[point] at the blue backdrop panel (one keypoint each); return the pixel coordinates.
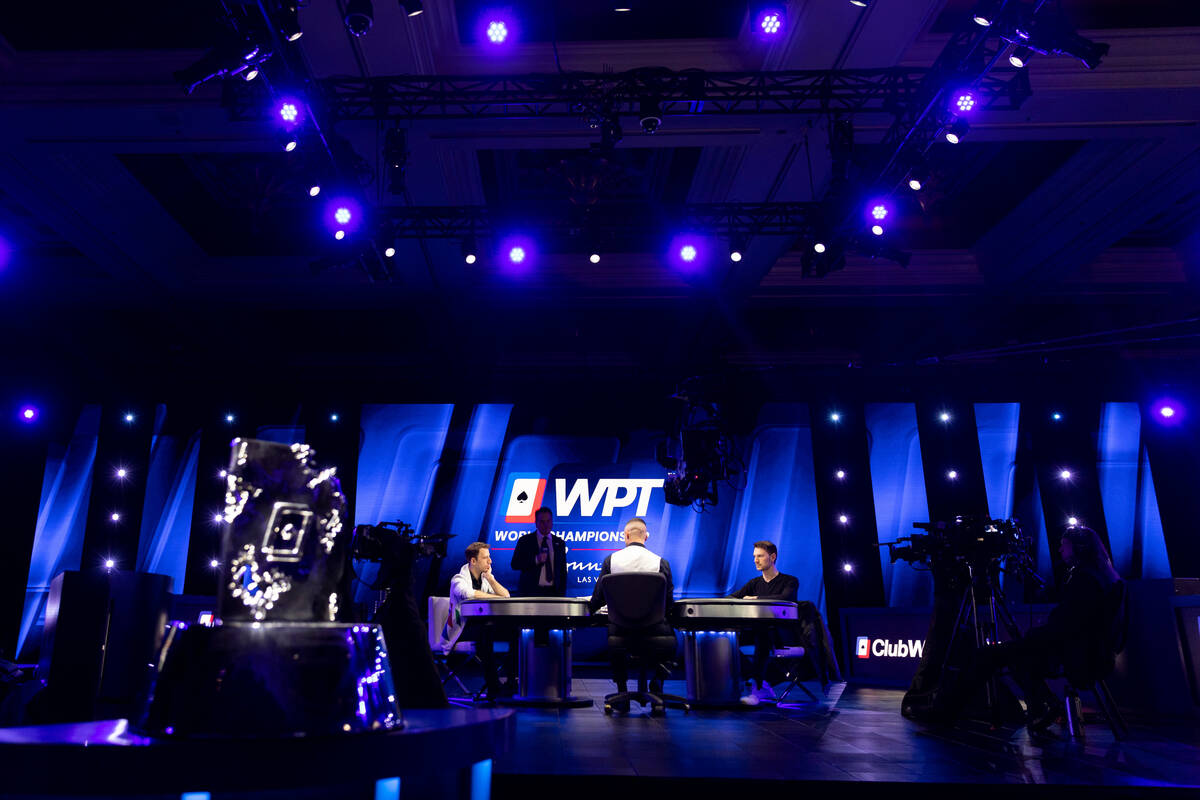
(779, 503)
(898, 479)
(396, 467)
(1153, 545)
(997, 426)
(167, 510)
(1118, 450)
(62, 516)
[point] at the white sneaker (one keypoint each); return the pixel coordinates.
(750, 699)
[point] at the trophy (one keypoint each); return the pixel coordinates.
(275, 662)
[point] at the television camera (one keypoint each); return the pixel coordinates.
(966, 555)
(699, 454)
(386, 540)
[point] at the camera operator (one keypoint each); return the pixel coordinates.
(1079, 640)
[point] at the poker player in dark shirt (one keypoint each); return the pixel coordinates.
(770, 584)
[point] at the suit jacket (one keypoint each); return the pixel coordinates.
(524, 561)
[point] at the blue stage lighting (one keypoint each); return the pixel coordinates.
(497, 31)
(289, 112)
(1056, 416)
(229, 418)
(1064, 474)
(688, 253)
(516, 254)
(877, 230)
(847, 567)
(115, 516)
(879, 211)
(314, 190)
(770, 22)
(952, 474)
(342, 215)
(964, 101)
(122, 473)
(1167, 411)
(28, 413)
(109, 563)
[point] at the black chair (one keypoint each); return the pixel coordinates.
(637, 629)
(1090, 675)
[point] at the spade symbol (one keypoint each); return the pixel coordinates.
(522, 497)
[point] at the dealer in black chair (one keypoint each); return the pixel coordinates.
(636, 586)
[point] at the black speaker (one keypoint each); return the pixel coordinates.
(103, 632)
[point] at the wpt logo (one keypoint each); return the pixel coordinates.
(885, 648)
(608, 495)
(524, 493)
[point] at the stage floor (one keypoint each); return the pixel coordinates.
(857, 734)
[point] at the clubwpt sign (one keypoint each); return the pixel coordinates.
(885, 644)
(591, 505)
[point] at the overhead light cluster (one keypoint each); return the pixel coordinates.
(1036, 28)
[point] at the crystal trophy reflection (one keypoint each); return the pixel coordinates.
(276, 661)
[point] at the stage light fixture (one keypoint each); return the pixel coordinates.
(1064, 474)
(214, 563)
(952, 474)
(218, 518)
(1051, 33)
(389, 252)
(497, 31)
(412, 8)
(986, 12)
(234, 58)
(1056, 416)
(121, 473)
(314, 190)
(339, 235)
(469, 248)
(289, 141)
(1072, 521)
(334, 417)
(859, 3)
(342, 215)
(835, 417)
(956, 131)
(944, 416)
(289, 21)
(877, 230)
(1020, 56)
(688, 253)
(516, 254)
(879, 210)
(594, 258)
(1166, 412)
(770, 21)
(229, 418)
(109, 563)
(819, 247)
(129, 417)
(735, 256)
(963, 101)
(360, 16)
(840, 474)
(288, 111)
(115, 516)
(843, 519)
(918, 177)
(847, 567)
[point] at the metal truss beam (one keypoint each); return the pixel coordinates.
(717, 219)
(604, 95)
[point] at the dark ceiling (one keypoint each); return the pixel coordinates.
(1097, 14)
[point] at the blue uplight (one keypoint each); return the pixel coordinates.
(28, 414)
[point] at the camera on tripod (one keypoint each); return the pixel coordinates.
(970, 540)
(386, 539)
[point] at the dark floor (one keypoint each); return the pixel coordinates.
(856, 734)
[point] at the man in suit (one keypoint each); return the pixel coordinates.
(541, 558)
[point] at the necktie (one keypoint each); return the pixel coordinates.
(547, 574)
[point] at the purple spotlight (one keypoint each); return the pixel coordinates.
(497, 28)
(688, 253)
(343, 214)
(770, 22)
(5, 252)
(1167, 411)
(964, 102)
(879, 211)
(517, 254)
(289, 111)
(28, 413)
